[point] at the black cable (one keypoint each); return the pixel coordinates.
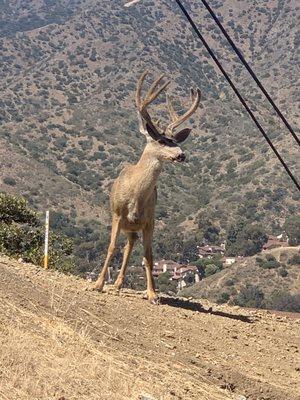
(242, 100)
(250, 70)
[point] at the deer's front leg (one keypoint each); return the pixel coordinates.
(148, 260)
(115, 230)
(132, 236)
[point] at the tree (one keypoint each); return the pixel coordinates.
(245, 239)
(292, 229)
(209, 266)
(208, 229)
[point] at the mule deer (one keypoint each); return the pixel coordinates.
(133, 196)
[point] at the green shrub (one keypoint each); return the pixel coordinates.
(292, 229)
(22, 235)
(259, 261)
(15, 209)
(294, 260)
(282, 272)
(223, 298)
(250, 296)
(270, 264)
(8, 180)
(229, 282)
(283, 301)
(270, 257)
(165, 284)
(211, 269)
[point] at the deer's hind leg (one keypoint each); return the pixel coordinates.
(115, 230)
(131, 238)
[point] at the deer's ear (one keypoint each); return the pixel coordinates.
(182, 135)
(153, 132)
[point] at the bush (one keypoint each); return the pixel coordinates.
(294, 260)
(270, 257)
(229, 282)
(292, 229)
(270, 264)
(250, 296)
(15, 209)
(165, 284)
(223, 298)
(8, 180)
(282, 272)
(22, 235)
(283, 301)
(211, 269)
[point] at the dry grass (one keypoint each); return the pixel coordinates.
(44, 358)
(60, 341)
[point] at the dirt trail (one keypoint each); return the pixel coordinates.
(59, 340)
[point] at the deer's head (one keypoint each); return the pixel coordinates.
(164, 143)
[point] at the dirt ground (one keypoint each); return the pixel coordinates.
(60, 340)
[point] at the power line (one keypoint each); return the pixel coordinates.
(250, 70)
(234, 88)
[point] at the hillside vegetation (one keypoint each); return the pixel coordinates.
(269, 280)
(61, 341)
(68, 73)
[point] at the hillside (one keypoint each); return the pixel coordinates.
(59, 340)
(227, 284)
(68, 73)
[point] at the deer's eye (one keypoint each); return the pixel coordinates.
(161, 142)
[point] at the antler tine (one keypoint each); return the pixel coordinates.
(187, 114)
(151, 95)
(193, 94)
(142, 104)
(171, 110)
(155, 85)
(138, 100)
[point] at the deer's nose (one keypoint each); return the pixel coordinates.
(181, 157)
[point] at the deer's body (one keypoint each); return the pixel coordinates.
(133, 196)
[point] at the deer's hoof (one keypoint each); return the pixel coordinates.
(153, 299)
(118, 285)
(98, 287)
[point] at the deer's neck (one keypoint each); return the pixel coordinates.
(148, 168)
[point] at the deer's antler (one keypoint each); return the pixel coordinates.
(147, 126)
(178, 120)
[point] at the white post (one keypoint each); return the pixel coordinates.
(46, 240)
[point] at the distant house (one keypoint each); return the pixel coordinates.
(274, 242)
(162, 266)
(227, 261)
(178, 271)
(208, 251)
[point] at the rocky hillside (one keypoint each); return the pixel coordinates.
(59, 340)
(68, 72)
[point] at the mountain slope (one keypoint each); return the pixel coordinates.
(68, 80)
(60, 341)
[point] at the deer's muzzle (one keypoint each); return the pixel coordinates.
(180, 158)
